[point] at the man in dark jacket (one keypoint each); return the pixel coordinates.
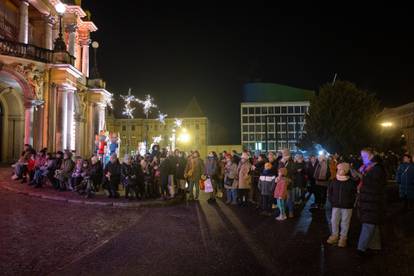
(310, 172)
(112, 176)
(370, 202)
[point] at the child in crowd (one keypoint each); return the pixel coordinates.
(341, 195)
(281, 192)
(266, 187)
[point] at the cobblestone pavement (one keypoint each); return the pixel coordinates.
(40, 237)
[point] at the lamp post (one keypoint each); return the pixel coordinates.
(95, 72)
(60, 45)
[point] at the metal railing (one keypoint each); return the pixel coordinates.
(28, 51)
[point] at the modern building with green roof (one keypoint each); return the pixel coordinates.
(272, 116)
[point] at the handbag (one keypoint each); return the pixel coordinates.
(208, 186)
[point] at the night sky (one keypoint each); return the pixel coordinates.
(177, 51)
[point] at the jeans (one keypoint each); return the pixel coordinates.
(370, 237)
(164, 184)
(290, 202)
(343, 217)
(267, 201)
(231, 196)
(282, 208)
(191, 185)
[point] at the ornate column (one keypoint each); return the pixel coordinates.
(28, 124)
(61, 122)
(24, 21)
(85, 57)
(49, 22)
(70, 135)
(71, 29)
(101, 115)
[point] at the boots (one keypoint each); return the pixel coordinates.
(342, 242)
(333, 239)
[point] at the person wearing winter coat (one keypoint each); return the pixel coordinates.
(287, 162)
(172, 160)
(266, 186)
(76, 177)
(281, 192)
(371, 201)
(129, 178)
(310, 173)
(405, 180)
(210, 171)
(322, 175)
(299, 178)
(112, 176)
(65, 172)
(230, 174)
(341, 195)
(244, 179)
(193, 173)
(96, 173)
(165, 169)
(179, 172)
(258, 167)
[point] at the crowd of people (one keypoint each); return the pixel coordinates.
(277, 183)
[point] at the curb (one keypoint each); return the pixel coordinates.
(95, 203)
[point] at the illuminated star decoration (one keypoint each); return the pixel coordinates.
(157, 139)
(127, 111)
(178, 122)
(161, 117)
(147, 104)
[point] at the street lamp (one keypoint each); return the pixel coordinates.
(95, 72)
(60, 45)
(387, 124)
(184, 137)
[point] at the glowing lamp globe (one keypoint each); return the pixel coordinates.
(60, 8)
(95, 44)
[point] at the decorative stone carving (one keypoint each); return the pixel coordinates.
(33, 76)
(80, 105)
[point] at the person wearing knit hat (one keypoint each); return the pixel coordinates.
(341, 195)
(244, 180)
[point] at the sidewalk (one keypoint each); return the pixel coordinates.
(99, 199)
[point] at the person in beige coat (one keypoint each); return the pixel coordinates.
(244, 179)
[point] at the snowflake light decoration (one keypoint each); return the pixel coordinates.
(157, 139)
(161, 117)
(178, 122)
(127, 111)
(147, 104)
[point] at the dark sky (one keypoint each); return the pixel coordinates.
(177, 51)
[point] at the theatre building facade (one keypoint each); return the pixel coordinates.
(47, 97)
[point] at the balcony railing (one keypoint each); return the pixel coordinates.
(29, 51)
